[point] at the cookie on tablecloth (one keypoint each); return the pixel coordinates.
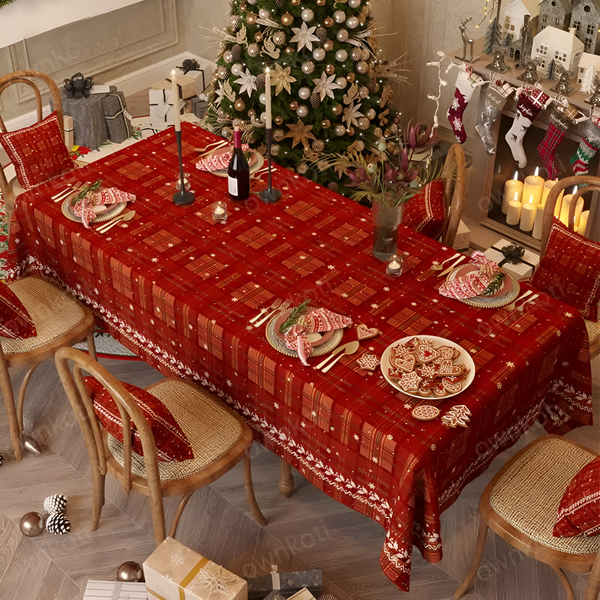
(365, 333)
(425, 412)
(369, 362)
(409, 382)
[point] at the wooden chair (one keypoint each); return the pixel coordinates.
(521, 503)
(11, 189)
(200, 415)
(454, 178)
(60, 320)
(593, 185)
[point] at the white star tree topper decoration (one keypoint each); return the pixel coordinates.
(305, 36)
(325, 86)
(247, 82)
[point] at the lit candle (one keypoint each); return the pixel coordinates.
(539, 221)
(394, 266)
(583, 220)
(219, 211)
(528, 212)
(566, 207)
(268, 98)
(514, 213)
(534, 187)
(175, 98)
(513, 189)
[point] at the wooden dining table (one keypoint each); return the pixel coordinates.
(180, 289)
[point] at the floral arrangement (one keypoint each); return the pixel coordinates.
(393, 172)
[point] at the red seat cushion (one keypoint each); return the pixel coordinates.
(15, 322)
(171, 443)
(570, 270)
(424, 212)
(37, 152)
(579, 510)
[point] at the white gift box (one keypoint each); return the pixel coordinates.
(303, 594)
(115, 590)
(161, 107)
(520, 270)
(175, 572)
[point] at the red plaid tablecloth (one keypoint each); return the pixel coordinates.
(179, 290)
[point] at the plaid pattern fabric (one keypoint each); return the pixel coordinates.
(579, 510)
(179, 290)
(570, 270)
(547, 149)
(15, 321)
(424, 212)
(37, 152)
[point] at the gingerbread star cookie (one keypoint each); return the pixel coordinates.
(369, 362)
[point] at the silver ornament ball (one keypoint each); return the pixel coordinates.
(237, 69)
(252, 1)
(361, 67)
(302, 111)
(279, 38)
(262, 98)
(342, 35)
(341, 82)
(275, 148)
(304, 93)
(130, 571)
(307, 15)
(223, 72)
(354, 3)
(351, 22)
(308, 67)
(340, 130)
(339, 16)
(253, 50)
(364, 123)
(363, 92)
(264, 13)
(319, 54)
(31, 524)
(228, 56)
(355, 54)
(365, 54)
(302, 168)
(278, 135)
(371, 114)
(341, 55)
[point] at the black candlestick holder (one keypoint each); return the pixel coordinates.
(182, 197)
(269, 196)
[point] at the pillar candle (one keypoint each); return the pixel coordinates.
(558, 204)
(534, 187)
(539, 221)
(268, 98)
(514, 212)
(547, 187)
(528, 212)
(175, 98)
(566, 207)
(513, 189)
(583, 220)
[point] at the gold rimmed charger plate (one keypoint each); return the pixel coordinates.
(494, 302)
(107, 215)
(255, 166)
(324, 348)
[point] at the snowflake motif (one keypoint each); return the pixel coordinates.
(328, 451)
(229, 383)
(96, 291)
(386, 289)
(568, 314)
(375, 460)
(372, 348)
(235, 300)
(457, 124)
(413, 303)
(131, 307)
(356, 437)
(390, 437)
(314, 413)
(565, 363)
(331, 267)
(302, 424)
(558, 333)
(275, 405)
(492, 335)
(433, 446)
(155, 260)
(248, 272)
(344, 295)
(374, 305)
(372, 486)
(435, 300)
(480, 320)
(455, 105)
(473, 351)
(436, 322)
(407, 406)
(499, 385)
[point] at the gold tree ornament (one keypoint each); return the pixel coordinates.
(287, 19)
(352, 114)
(304, 36)
(281, 79)
(325, 86)
(300, 133)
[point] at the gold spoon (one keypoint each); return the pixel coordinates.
(120, 219)
(351, 348)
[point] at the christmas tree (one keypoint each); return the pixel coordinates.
(588, 83)
(493, 37)
(329, 88)
(551, 70)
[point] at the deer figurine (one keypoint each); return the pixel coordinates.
(467, 41)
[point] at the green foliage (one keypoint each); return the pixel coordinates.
(88, 189)
(494, 285)
(296, 313)
(5, 2)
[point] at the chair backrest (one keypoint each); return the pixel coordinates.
(90, 426)
(454, 178)
(593, 185)
(28, 78)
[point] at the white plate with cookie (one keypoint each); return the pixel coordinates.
(427, 366)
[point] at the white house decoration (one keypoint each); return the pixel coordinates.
(589, 68)
(558, 45)
(512, 16)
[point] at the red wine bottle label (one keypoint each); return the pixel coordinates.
(232, 186)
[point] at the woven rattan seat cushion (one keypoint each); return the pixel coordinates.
(211, 429)
(528, 495)
(53, 311)
(593, 330)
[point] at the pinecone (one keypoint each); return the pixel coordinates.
(318, 145)
(328, 597)
(55, 503)
(315, 100)
(280, 3)
(58, 524)
(236, 51)
(278, 134)
(321, 33)
(260, 81)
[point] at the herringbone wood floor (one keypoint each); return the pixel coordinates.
(307, 530)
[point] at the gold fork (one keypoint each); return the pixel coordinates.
(281, 308)
(275, 304)
(217, 144)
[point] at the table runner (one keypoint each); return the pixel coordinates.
(179, 289)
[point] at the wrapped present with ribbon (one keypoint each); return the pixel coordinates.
(518, 261)
(175, 572)
(115, 590)
(284, 585)
(118, 119)
(185, 83)
(161, 107)
(474, 283)
(318, 320)
(218, 160)
(91, 201)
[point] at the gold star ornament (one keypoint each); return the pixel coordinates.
(281, 79)
(300, 133)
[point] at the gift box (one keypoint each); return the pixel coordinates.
(303, 594)
(115, 590)
(175, 572)
(187, 86)
(198, 107)
(161, 108)
(117, 118)
(521, 270)
(287, 584)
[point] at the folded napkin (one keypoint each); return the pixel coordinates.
(318, 321)
(84, 207)
(218, 161)
(473, 284)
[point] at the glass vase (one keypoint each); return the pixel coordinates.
(385, 235)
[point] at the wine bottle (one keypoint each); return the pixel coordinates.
(238, 173)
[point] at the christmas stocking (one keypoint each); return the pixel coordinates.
(557, 127)
(590, 142)
(495, 100)
(466, 82)
(528, 108)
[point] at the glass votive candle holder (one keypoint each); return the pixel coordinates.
(219, 211)
(394, 266)
(186, 182)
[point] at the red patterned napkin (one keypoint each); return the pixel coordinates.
(318, 321)
(218, 161)
(474, 283)
(84, 207)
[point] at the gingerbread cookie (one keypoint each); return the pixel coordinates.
(365, 333)
(368, 362)
(425, 412)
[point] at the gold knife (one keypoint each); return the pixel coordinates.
(336, 351)
(452, 266)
